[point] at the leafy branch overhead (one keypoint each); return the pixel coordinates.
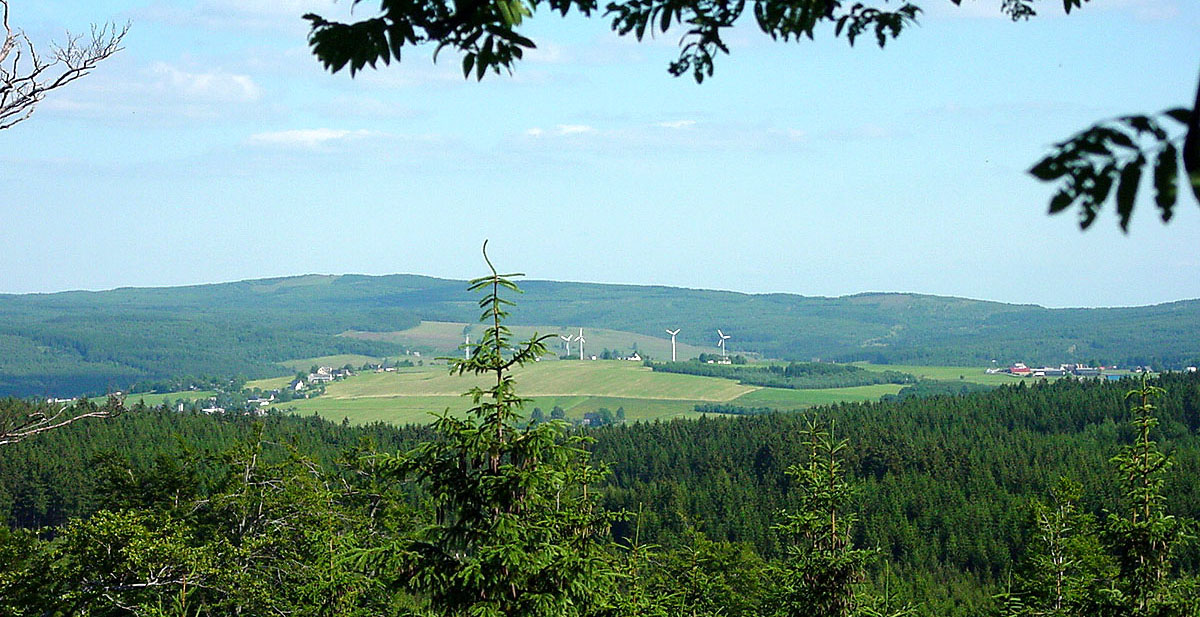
(1117, 154)
(485, 32)
(1088, 167)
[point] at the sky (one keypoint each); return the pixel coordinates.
(216, 148)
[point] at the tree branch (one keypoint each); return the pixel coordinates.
(28, 78)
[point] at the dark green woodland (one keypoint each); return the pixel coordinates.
(945, 488)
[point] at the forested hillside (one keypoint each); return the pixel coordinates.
(69, 343)
(944, 485)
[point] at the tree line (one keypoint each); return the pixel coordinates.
(794, 375)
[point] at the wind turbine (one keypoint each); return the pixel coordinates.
(721, 343)
(673, 333)
(581, 342)
(567, 341)
(467, 347)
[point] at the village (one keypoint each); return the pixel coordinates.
(1112, 372)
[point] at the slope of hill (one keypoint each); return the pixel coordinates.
(73, 342)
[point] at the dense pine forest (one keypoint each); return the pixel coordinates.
(944, 488)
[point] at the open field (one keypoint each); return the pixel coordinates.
(945, 373)
(270, 383)
(154, 400)
(600, 378)
(783, 399)
(410, 395)
(578, 387)
(444, 337)
(420, 409)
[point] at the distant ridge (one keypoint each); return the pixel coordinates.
(92, 341)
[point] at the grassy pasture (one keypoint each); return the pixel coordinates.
(945, 373)
(613, 378)
(784, 399)
(410, 395)
(271, 383)
(420, 409)
(154, 400)
(578, 387)
(444, 337)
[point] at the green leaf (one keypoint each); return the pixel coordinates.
(1104, 183)
(1047, 169)
(1131, 176)
(1179, 114)
(1061, 201)
(1121, 139)
(1166, 173)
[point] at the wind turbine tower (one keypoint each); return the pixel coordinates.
(581, 342)
(467, 347)
(567, 342)
(673, 333)
(721, 343)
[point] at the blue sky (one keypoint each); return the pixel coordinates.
(214, 148)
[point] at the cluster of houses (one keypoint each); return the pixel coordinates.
(254, 406)
(1019, 369)
(324, 374)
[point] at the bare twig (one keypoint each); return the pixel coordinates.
(40, 422)
(27, 77)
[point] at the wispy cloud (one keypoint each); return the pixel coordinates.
(574, 129)
(163, 92)
(677, 124)
(561, 130)
(305, 138)
(212, 86)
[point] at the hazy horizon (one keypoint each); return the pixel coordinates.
(529, 278)
(215, 148)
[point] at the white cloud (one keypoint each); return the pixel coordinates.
(212, 86)
(534, 132)
(574, 129)
(305, 138)
(677, 124)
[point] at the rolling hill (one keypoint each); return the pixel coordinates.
(75, 342)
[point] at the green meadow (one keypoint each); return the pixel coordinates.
(154, 400)
(412, 395)
(945, 373)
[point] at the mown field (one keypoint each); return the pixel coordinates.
(154, 400)
(411, 395)
(945, 373)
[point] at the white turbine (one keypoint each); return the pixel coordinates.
(721, 343)
(581, 342)
(567, 342)
(467, 347)
(673, 333)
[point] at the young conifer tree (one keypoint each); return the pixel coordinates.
(1126, 567)
(516, 532)
(823, 570)
(1143, 537)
